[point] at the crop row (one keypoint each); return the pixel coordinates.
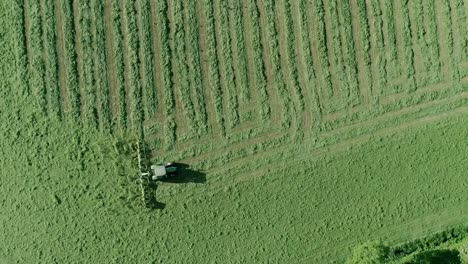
(239, 51)
(193, 53)
(50, 48)
(227, 67)
(391, 44)
(426, 39)
(320, 38)
(432, 43)
(259, 66)
(101, 69)
(349, 53)
(292, 56)
(276, 64)
(309, 69)
(147, 56)
(364, 37)
(86, 42)
(461, 9)
(166, 72)
(70, 59)
(133, 76)
(119, 65)
(447, 37)
(379, 59)
(178, 36)
(336, 53)
(37, 63)
(408, 63)
(22, 77)
(213, 64)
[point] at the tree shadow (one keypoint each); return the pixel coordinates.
(186, 175)
(438, 256)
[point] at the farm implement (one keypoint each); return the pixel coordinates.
(148, 174)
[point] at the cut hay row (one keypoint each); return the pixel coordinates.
(378, 46)
(135, 96)
(446, 36)
(86, 44)
(349, 54)
(310, 74)
(194, 63)
(278, 78)
(340, 86)
(37, 65)
(70, 60)
(393, 67)
(407, 52)
(213, 65)
(320, 38)
(239, 51)
(21, 51)
(461, 9)
(101, 69)
(50, 48)
(118, 57)
(259, 66)
(432, 51)
(292, 56)
(226, 57)
(165, 64)
(146, 55)
(180, 61)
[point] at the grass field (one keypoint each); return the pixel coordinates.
(309, 126)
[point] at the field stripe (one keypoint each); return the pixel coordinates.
(275, 60)
(101, 69)
(51, 67)
(166, 66)
(404, 29)
(68, 29)
(259, 65)
(194, 63)
(181, 71)
(61, 57)
(146, 58)
(307, 65)
(86, 63)
(213, 66)
(224, 51)
(37, 65)
(132, 74)
(445, 37)
(118, 55)
(239, 53)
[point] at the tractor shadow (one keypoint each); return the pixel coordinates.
(186, 175)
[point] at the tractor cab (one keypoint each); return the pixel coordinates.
(160, 172)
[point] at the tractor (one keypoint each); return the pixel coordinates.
(161, 172)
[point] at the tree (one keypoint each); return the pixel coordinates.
(369, 253)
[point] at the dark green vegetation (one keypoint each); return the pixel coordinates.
(448, 246)
(319, 125)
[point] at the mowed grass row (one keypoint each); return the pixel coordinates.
(101, 69)
(147, 54)
(180, 60)
(258, 63)
(227, 68)
(88, 102)
(50, 48)
(194, 63)
(36, 55)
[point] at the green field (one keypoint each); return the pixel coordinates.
(309, 127)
